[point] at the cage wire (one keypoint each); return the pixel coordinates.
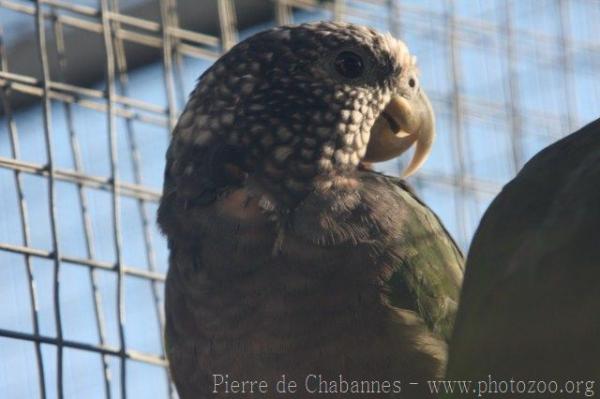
(82, 265)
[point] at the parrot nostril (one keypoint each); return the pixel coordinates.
(412, 82)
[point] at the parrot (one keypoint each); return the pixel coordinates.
(289, 256)
(530, 305)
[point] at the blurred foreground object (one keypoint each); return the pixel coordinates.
(530, 307)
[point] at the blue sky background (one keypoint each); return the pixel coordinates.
(478, 73)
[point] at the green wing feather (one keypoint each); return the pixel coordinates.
(427, 264)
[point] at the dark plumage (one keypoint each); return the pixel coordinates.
(530, 308)
(288, 256)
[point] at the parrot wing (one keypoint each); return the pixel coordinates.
(427, 265)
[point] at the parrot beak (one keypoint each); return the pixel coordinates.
(402, 124)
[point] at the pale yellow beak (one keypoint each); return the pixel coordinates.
(401, 125)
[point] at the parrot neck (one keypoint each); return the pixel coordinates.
(278, 195)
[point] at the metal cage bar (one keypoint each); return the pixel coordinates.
(48, 139)
(15, 153)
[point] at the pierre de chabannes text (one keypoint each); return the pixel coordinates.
(317, 384)
(312, 383)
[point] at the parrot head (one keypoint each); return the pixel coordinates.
(301, 107)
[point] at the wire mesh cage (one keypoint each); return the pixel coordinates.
(90, 89)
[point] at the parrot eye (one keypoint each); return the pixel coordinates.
(412, 82)
(348, 64)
